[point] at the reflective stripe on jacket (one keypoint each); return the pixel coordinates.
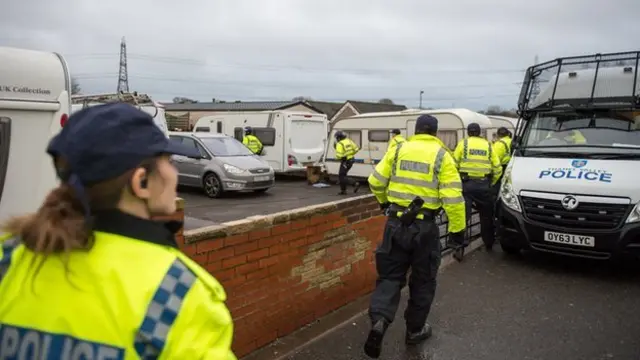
(253, 143)
(393, 143)
(475, 157)
(346, 149)
(421, 167)
(123, 299)
(502, 148)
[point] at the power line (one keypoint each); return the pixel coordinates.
(280, 98)
(97, 76)
(278, 67)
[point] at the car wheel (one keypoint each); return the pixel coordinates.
(260, 191)
(212, 186)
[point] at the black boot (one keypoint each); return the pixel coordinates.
(373, 345)
(415, 338)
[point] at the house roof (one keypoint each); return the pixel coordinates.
(371, 107)
(328, 108)
(233, 106)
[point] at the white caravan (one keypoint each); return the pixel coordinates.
(371, 132)
(142, 101)
(571, 187)
(292, 140)
(498, 122)
(34, 105)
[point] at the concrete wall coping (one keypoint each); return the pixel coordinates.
(262, 221)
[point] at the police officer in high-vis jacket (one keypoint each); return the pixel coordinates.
(346, 150)
(479, 170)
(412, 184)
(396, 139)
(251, 141)
(90, 275)
(502, 149)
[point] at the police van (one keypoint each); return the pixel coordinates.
(571, 186)
(371, 132)
(34, 106)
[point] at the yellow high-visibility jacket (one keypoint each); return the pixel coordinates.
(128, 297)
(476, 158)
(253, 143)
(346, 149)
(394, 141)
(502, 149)
(421, 167)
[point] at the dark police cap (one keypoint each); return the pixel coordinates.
(395, 131)
(426, 122)
(102, 142)
(473, 127)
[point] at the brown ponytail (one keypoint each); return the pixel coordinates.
(58, 226)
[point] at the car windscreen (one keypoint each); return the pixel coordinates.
(225, 146)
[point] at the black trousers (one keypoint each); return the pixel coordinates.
(343, 179)
(479, 194)
(416, 247)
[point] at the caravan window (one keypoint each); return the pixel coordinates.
(238, 133)
(5, 143)
(203, 129)
(355, 135)
(219, 127)
(267, 136)
(379, 136)
(449, 138)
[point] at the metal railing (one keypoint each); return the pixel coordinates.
(473, 224)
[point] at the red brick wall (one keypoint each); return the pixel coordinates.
(285, 270)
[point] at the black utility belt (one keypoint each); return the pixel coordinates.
(395, 211)
(466, 177)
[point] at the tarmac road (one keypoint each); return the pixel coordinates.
(492, 307)
(288, 193)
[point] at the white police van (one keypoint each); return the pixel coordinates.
(573, 184)
(34, 105)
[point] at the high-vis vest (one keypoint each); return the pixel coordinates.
(502, 148)
(575, 137)
(421, 167)
(346, 149)
(123, 299)
(253, 143)
(393, 143)
(476, 159)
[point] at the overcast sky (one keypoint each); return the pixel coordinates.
(463, 53)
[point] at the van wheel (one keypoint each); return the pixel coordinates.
(212, 186)
(510, 249)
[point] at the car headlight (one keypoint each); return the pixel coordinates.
(635, 214)
(232, 169)
(507, 195)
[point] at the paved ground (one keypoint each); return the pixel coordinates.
(496, 308)
(288, 193)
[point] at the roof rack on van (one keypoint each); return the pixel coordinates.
(131, 98)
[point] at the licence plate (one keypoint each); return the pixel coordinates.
(261, 178)
(569, 239)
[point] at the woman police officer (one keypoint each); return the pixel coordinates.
(90, 275)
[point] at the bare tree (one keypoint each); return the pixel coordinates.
(183, 100)
(494, 110)
(301, 98)
(386, 101)
(75, 87)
